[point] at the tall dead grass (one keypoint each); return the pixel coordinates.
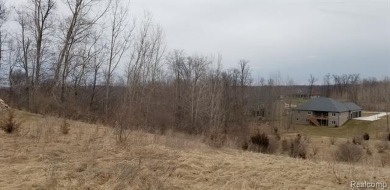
(90, 157)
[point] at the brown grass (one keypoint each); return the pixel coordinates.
(90, 157)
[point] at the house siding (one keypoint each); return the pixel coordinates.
(333, 119)
(325, 112)
(343, 117)
(300, 117)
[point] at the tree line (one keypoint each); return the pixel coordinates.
(92, 60)
(96, 62)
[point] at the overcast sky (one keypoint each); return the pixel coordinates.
(295, 38)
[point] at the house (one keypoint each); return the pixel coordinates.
(325, 112)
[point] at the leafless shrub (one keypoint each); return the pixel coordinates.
(276, 133)
(336, 174)
(348, 152)
(341, 174)
(382, 146)
(277, 136)
(48, 134)
(358, 140)
(121, 132)
(37, 132)
(82, 167)
(368, 151)
(275, 130)
(332, 140)
(65, 127)
(285, 145)
(261, 142)
(366, 136)
(385, 159)
(52, 177)
(245, 146)
(216, 138)
(298, 147)
(315, 149)
(9, 124)
(273, 145)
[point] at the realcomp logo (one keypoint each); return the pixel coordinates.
(368, 185)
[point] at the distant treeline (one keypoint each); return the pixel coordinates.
(96, 63)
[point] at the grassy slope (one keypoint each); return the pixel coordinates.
(40, 157)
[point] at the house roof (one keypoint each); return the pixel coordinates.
(328, 105)
(352, 106)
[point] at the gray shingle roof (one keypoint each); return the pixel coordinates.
(352, 106)
(328, 105)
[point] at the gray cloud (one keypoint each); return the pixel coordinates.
(294, 37)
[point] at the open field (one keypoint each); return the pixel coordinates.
(89, 157)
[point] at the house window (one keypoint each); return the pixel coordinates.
(299, 111)
(297, 119)
(309, 112)
(333, 122)
(333, 114)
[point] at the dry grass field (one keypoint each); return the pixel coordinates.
(40, 156)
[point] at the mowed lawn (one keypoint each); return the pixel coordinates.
(351, 128)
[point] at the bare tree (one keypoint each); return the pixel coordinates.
(137, 67)
(175, 60)
(118, 44)
(245, 75)
(271, 96)
(25, 43)
(143, 70)
(3, 19)
(43, 9)
(15, 75)
(85, 59)
(245, 81)
(216, 93)
(196, 67)
(97, 62)
(289, 123)
(327, 84)
(353, 86)
(77, 27)
(312, 80)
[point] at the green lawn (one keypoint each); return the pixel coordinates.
(365, 114)
(299, 101)
(350, 129)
